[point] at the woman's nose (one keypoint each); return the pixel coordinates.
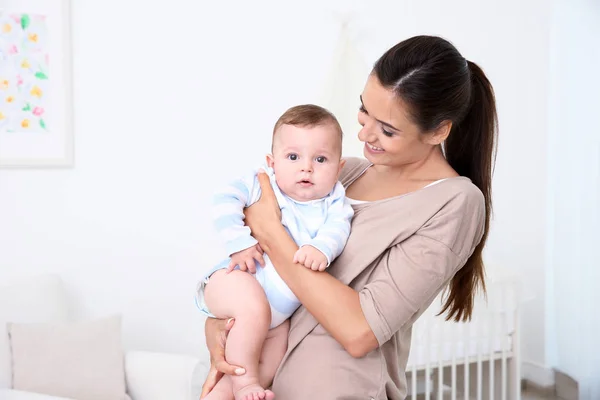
(366, 134)
(367, 131)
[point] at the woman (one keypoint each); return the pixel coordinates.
(422, 202)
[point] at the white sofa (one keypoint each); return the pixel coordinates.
(148, 375)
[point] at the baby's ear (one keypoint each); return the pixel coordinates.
(270, 160)
(342, 163)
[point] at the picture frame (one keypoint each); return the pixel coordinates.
(36, 102)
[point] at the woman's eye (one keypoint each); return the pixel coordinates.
(293, 157)
(362, 109)
(321, 159)
(387, 133)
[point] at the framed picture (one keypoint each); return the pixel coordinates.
(36, 128)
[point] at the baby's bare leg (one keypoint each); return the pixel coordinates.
(273, 351)
(239, 295)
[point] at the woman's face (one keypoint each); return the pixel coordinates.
(390, 137)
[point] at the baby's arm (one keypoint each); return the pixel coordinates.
(331, 237)
(228, 220)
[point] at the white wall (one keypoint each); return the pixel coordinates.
(169, 101)
(573, 277)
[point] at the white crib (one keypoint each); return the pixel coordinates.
(475, 360)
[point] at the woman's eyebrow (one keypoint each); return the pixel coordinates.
(378, 120)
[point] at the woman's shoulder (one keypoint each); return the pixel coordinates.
(457, 214)
(353, 168)
(445, 210)
(456, 193)
(460, 192)
(454, 198)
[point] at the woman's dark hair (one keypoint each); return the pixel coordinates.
(437, 84)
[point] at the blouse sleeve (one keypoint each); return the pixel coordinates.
(412, 272)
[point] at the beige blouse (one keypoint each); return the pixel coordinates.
(401, 253)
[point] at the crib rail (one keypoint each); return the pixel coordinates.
(479, 359)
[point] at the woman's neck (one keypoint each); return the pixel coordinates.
(381, 182)
(430, 168)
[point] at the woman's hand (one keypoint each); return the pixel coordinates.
(216, 331)
(264, 214)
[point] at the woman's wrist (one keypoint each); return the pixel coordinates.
(268, 233)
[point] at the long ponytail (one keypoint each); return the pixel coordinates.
(438, 84)
(470, 149)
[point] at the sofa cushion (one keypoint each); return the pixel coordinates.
(7, 394)
(39, 299)
(80, 360)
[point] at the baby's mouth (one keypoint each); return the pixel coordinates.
(305, 182)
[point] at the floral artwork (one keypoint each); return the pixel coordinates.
(24, 79)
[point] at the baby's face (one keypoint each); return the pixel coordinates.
(306, 160)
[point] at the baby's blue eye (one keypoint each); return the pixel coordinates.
(321, 159)
(293, 157)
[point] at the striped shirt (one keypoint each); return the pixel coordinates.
(322, 223)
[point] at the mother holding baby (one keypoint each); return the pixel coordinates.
(422, 204)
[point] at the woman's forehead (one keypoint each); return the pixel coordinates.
(384, 105)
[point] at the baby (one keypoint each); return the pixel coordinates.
(304, 168)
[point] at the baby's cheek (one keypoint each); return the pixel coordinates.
(281, 180)
(330, 180)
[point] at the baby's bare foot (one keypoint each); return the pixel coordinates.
(254, 392)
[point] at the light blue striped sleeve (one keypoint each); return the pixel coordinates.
(227, 212)
(333, 235)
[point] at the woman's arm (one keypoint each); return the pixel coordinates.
(334, 305)
(216, 331)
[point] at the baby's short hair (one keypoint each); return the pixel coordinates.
(308, 115)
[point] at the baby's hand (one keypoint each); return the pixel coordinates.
(245, 259)
(311, 258)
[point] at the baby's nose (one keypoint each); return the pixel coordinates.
(307, 166)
